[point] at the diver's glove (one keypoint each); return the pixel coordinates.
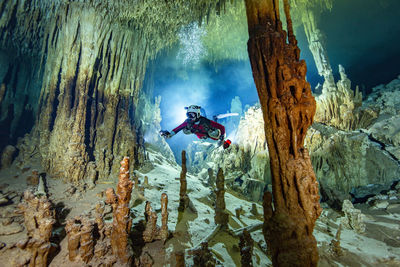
(167, 134)
(227, 143)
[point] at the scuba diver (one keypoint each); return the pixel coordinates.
(202, 127)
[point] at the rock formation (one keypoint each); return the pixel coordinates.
(121, 225)
(164, 217)
(90, 60)
(353, 218)
(339, 105)
(221, 216)
(183, 197)
(80, 232)
(346, 160)
(202, 257)
(39, 220)
(288, 110)
(152, 231)
(246, 249)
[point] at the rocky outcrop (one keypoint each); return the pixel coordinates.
(288, 110)
(345, 160)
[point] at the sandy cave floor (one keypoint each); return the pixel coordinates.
(378, 246)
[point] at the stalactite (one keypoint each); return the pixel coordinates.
(221, 216)
(288, 109)
(121, 225)
(316, 43)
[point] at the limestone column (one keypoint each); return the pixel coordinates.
(288, 110)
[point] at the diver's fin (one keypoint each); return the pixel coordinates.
(221, 116)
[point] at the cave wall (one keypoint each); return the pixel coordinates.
(19, 93)
(93, 56)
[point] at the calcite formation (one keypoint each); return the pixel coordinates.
(346, 160)
(39, 218)
(339, 105)
(152, 231)
(183, 197)
(221, 216)
(353, 218)
(288, 109)
(203, 256)
(80, 232)
(246, 249)
(164, 217)
(122, 223)
(90, 59)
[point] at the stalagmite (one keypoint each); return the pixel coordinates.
(121, 225)
(151, 231)
(288, 109)
(183, 197)
(39, 220)
(164, 217)
(80, 238)
(246, 249)
(221, 216)
(180, 259)
(203, 257)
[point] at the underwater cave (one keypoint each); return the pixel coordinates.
(199, 133)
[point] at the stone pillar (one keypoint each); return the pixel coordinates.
(183, 197)
(288, 110)
(221, 216)
(39, 220)
(121, 225)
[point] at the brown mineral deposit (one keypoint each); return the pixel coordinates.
(121, 225)
(39, 220)
(164, 217)
(151, 231)
(183, 197)
(221, 216)
(288, 109)
(180, 259)
(203, 256)
(246, 245)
